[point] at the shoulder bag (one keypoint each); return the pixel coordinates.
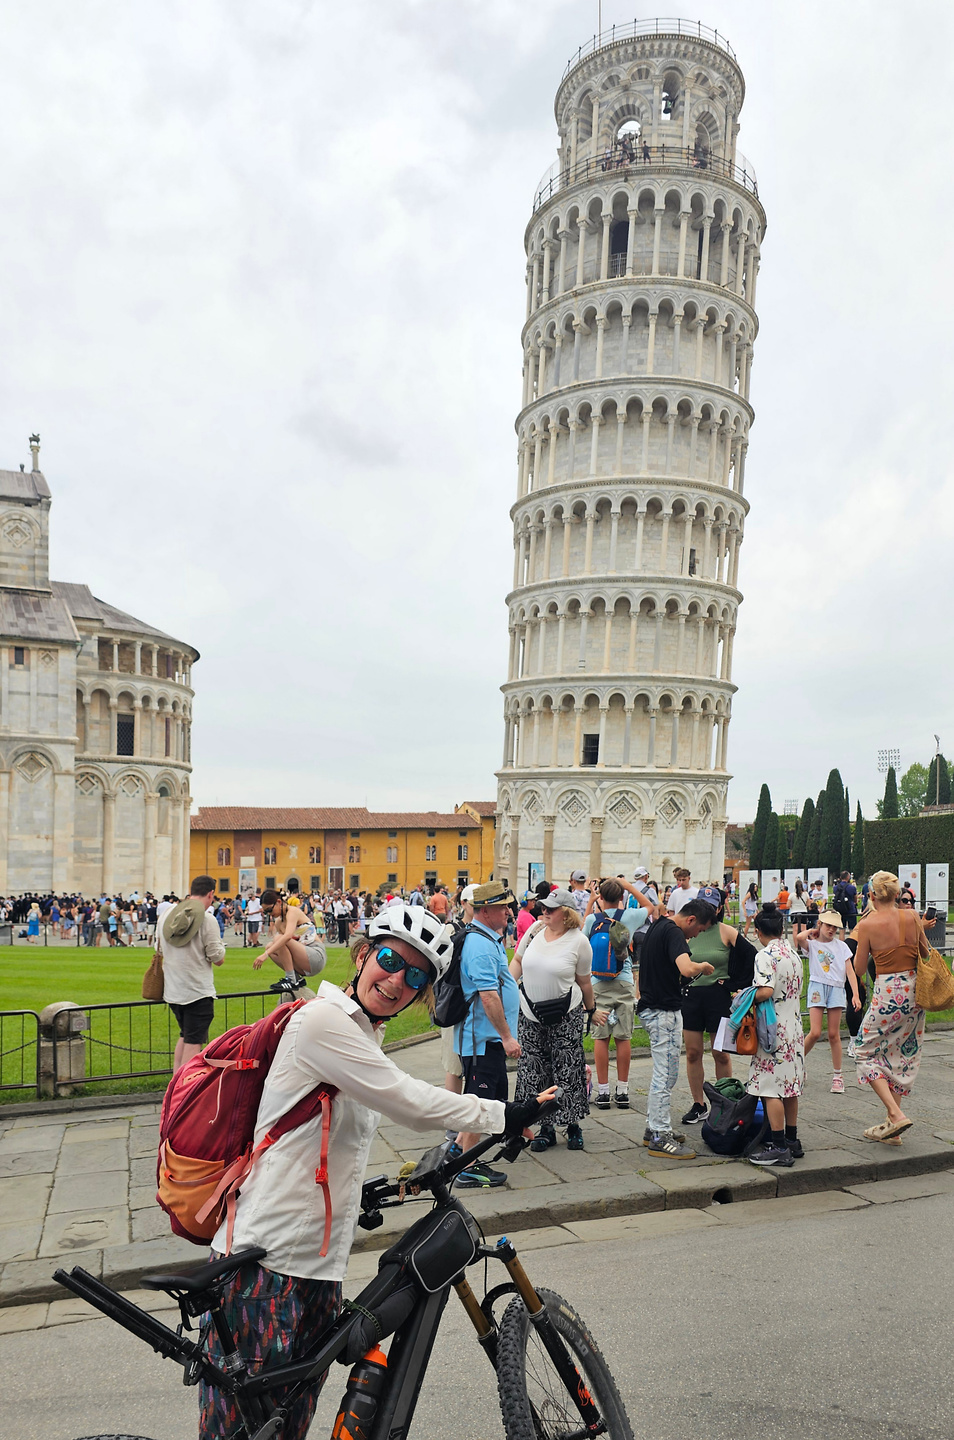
(153, 984)
(934, 984)
(548, 1012)
(746, 1039)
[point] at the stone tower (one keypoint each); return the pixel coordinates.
(642, 256)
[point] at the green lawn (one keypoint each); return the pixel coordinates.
(127, 1040)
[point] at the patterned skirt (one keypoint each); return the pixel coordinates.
(276, 1319)
(889, 1042)
(553, 1055)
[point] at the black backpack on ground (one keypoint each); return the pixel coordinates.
(732, 1126)
(450, 1004)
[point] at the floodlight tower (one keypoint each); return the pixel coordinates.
(642, 256)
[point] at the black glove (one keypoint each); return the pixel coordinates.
(520, 1115)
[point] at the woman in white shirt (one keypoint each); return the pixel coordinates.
(278, 1308)
(552, 967)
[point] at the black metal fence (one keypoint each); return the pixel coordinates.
(20, 1050)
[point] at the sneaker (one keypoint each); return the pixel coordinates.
(695, 1113)
(850, 1049)
(621, 1099)
(602, 1101)
(837, 1085)
(544, 1138)
(574, 1137)
(669, 1147)
(288, 983)
(772, 1155)
(648, 1135)
(480, 1177)
(796, 1149)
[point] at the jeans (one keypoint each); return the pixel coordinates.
(664, 1028)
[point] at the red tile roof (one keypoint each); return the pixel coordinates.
(267, 817)
(483, 807)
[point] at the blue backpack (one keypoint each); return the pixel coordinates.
(609, 941)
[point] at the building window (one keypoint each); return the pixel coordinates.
(125, 735)
(19, 655)
(354, 881)
(462, 834)
(355, 834)
(223, 886)
(463, 877)
(314, 854)
(271, 854)
(225, 855)
(462, 852)
(392, 855)
(430, 852)
(591, 749)
(392, 879)
(269, 882)
(392, 834)
(354, 854)
(431, 832)
(314, 883)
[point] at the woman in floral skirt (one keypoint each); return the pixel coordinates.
(888, 1048)
(779, 1077)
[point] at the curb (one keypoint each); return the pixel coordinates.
(696, 1187)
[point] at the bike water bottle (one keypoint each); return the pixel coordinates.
(359, 1406)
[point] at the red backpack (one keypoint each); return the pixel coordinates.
(207, 1128)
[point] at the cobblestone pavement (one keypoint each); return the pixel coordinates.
(79, 1186)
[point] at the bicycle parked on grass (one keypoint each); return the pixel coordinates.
(552, 1381)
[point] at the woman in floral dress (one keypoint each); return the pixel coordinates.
(779, 1078)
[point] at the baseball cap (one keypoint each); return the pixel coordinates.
(710, 895)
(558, 898)
(578, 875)
(640, 873)
(468, 892)
(493, 893)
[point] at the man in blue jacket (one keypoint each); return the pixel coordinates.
(485, 1038)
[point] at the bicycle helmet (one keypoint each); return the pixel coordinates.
(419, 928)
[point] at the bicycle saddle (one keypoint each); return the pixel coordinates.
(203, 1278)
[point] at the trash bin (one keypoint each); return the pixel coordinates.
(62, 1048)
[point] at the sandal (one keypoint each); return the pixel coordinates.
(892, 1140)
(888, 1132)
(877, 1132)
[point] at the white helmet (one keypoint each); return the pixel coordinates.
(419, 928)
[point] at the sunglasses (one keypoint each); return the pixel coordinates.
(907, 902)
(393, 963)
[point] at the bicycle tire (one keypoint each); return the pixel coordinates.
(114, 1437)
(542, 1410)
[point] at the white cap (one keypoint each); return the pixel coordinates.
(640, 873)
(467, 894)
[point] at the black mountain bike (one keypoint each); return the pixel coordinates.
(552, 1381)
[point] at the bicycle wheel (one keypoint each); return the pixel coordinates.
(114, 1437)
(533, 1399)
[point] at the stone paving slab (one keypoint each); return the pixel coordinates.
(79, 1186)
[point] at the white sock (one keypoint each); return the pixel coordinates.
(604, 1089)
(622, 1087)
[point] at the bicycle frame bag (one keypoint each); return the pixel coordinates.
(207, 1128)
(609, 941)
(450, 1003)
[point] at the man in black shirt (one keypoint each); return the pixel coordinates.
(665, 966)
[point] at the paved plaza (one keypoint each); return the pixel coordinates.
(78, 1186)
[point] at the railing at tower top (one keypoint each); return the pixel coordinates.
(663, 26)
(645, 157)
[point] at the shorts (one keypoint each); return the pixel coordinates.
(486, 1075)
(450, 1060)
(825, 997)
(618, 995)
(194, 1019)
(254, 927)
(704, 1006)
(315, 951)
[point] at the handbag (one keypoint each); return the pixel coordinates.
(548, 1012)
(746, 1039)
(153, 984)
(934, 984)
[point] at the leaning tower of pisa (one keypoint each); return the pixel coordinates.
(642, 257)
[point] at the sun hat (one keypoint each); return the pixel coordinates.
(183, 922)
(831, 917)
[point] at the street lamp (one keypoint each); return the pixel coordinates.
(888, 760)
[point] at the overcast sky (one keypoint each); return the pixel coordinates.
(262, 282)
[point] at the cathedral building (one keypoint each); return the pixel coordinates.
(642, 254)
(95, 721)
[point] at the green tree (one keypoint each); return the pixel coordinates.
(912, 791)
(813, 848)
(800, 848)
(888, 807)
(833, 823)
(938, 791)
(770, 849)
(858, 847)
(845, 863)
(757, 849)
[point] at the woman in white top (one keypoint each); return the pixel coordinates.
(552, 968)
(798, 908)
(278, 1307)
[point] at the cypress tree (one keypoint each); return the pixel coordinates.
(833, 824)
(858, 847)
(889, 805)
(932, 782)
(813, 850)
(945, 782)
(800, 848)
(770, 851)
(846, 836)
(757, 847)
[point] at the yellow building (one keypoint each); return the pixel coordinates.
(248, 848)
